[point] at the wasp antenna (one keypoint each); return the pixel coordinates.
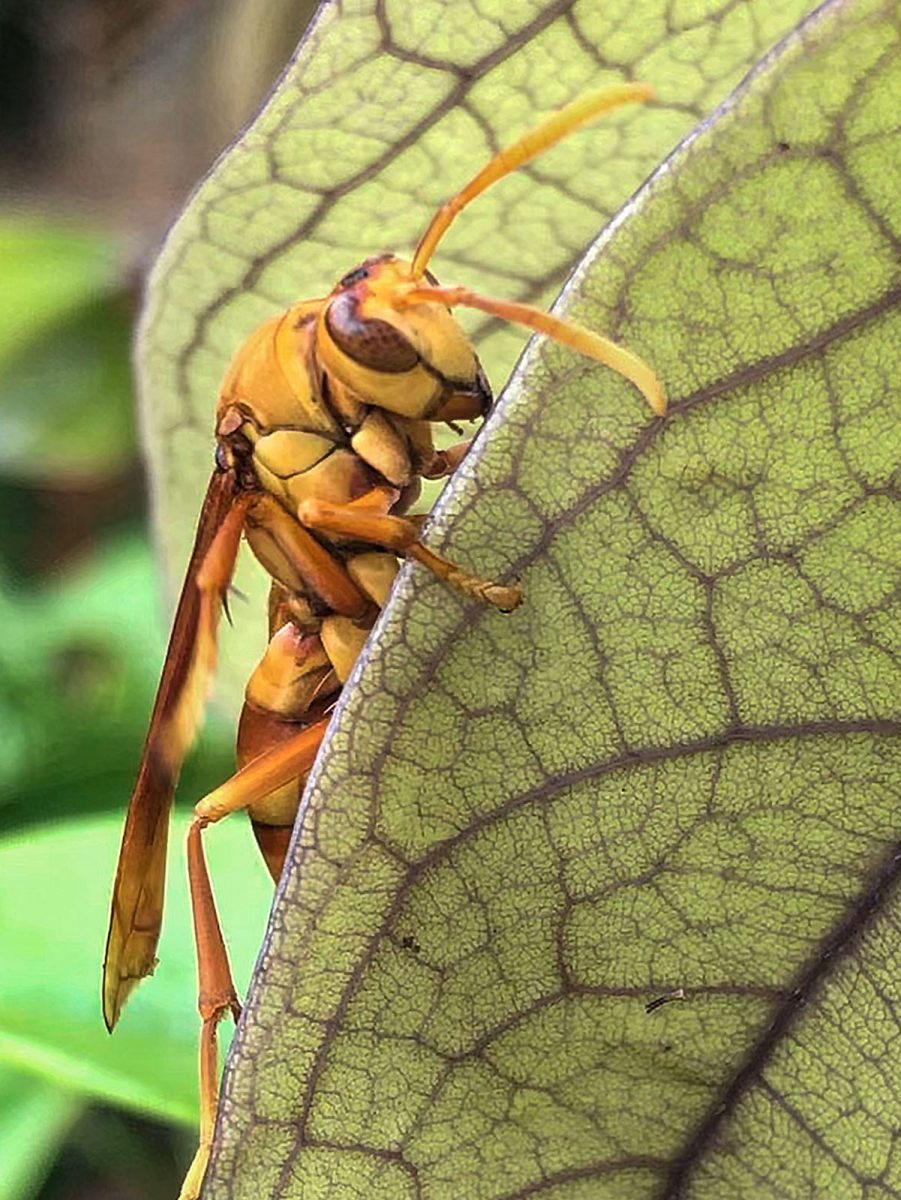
(523, 150)
(594, 345)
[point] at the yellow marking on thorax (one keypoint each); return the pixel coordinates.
(289, 452)
(272, 378)
(339, 477)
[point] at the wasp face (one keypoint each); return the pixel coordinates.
(410, 359)
(371, 341)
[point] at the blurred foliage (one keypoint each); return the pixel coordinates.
(34, 1115)
(63, 320)
(91, 92)
(113, 1155)
(50, 271)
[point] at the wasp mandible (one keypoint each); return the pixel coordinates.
(323, 433)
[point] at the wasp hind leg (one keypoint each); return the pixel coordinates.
(216, 998)
(216, 994)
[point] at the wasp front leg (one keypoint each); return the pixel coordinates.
(360, 521)
(445, 462)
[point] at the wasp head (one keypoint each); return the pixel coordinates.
(412, 359)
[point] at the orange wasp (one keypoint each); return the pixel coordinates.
(323, 433)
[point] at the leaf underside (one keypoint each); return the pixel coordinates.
(670, 771)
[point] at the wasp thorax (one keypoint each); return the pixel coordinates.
(410, 359)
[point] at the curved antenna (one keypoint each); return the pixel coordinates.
(523, 150)
(586, 341)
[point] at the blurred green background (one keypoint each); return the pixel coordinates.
(110, 110)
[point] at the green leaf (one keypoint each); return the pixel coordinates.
(69, 415)
(64, 355)
(34, 1119)
(54, 898)
(50, 271)
(674, 771)
(384, 113)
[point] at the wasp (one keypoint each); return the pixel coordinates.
(324, 430)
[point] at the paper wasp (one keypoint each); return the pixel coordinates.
(323, 432)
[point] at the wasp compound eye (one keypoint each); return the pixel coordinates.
(369, 342)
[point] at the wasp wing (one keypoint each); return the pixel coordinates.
(137, 903)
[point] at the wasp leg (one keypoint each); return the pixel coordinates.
(446, 461)
(401, 535)
(301, 564)
(461, 406)
(216, 995)
(263, 775)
